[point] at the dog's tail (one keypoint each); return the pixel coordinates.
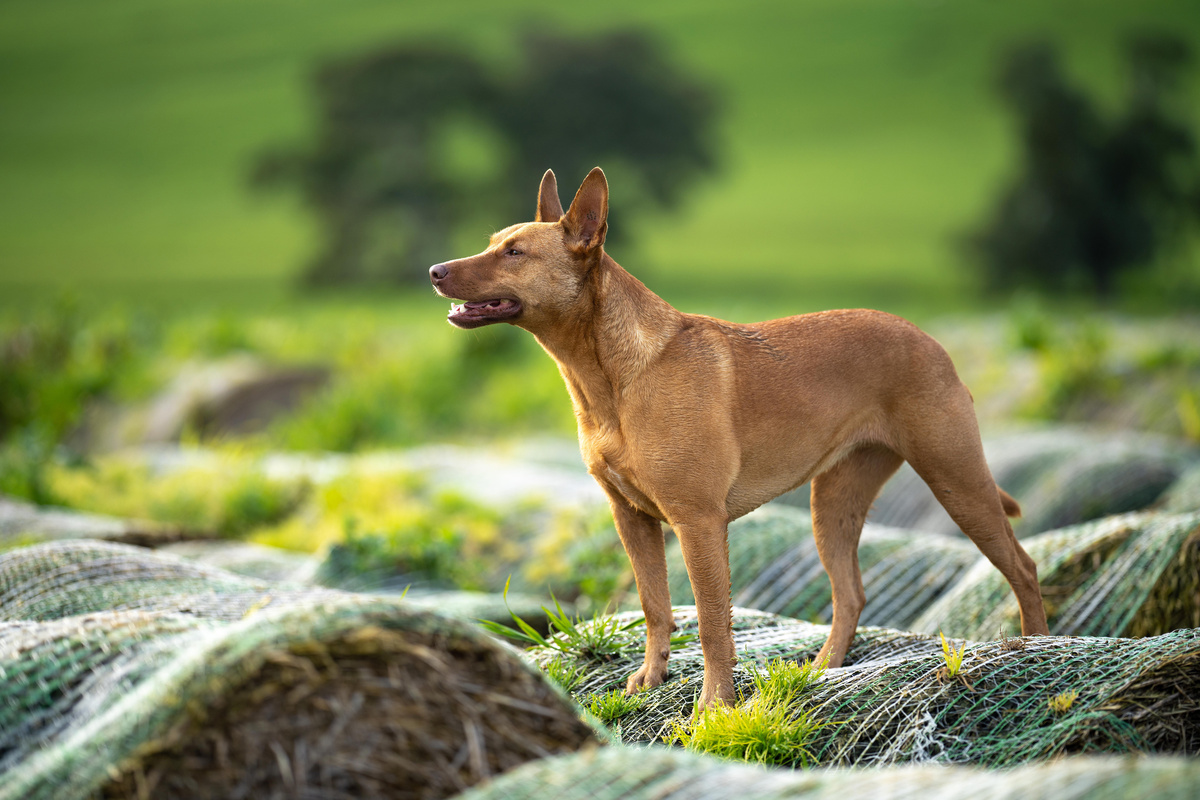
(1011, 507)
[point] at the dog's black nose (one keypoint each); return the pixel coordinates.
(437, 272)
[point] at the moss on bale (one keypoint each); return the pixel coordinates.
(628, 773)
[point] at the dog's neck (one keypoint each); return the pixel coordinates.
(620, 329)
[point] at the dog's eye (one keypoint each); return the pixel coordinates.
(512, 251)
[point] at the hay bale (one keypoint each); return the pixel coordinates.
(1127, 575)
(255, 561)
(332, 697)
(60, 579)
(1184, 494)
(774, 566)
(1061, 476)
(758, 636)
(891, 705)
(656, 773)
(23, 523)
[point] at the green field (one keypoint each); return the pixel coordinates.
(858, 137)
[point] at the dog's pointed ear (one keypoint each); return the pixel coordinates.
(549, 206)
(586, 221)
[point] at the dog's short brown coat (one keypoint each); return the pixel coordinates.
(695, 421)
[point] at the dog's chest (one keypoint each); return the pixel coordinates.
(627, 485)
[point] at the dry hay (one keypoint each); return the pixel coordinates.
(774, 566)
(1127, 575)
(338, 697)
(628, 773)
(891, 705)
(1061, 476)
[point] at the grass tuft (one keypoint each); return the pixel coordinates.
(613, 705)
(770, 728)
(1061, 703)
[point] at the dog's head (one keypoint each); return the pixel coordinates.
(530, 273)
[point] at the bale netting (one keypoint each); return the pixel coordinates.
(1184, 494)
(1015, 700)
(24, 523)
(341, 697)
(1126, 575)
(60, 579)
(255, 561)
(774, 566)
(1061, 476)
(658, 773)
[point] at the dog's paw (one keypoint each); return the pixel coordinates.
(646, 678)
(717, 694)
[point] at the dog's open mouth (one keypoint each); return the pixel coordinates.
(483, 312)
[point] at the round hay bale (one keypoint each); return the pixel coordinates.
(60, 579)
(340, 697)
(775, 567)
(254, 561)
(1184, 494)
(656, 773)
(1127, 575)
(894, 702)
(22, 523)
(758, 636)
(1061, 476)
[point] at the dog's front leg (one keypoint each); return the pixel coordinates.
(705, 544)
(645, 544)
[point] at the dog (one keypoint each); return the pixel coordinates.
(694, 421)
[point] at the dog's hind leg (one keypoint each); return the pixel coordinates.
(645, 545)
(841, 498)
(953, 465)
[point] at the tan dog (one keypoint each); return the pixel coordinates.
(694, 421)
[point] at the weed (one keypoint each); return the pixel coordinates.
(443, 539)
(586, 549)
(953, 660)
(1009, 645)
(230, 497)
(1187, 406)
(601, 638)
(767, 729)
(784, 680)
(613, 705)
(1061, 703)
(565, 672)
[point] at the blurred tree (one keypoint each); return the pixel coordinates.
(413, 142)
(1094, 197)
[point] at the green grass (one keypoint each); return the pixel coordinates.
(772, 727)
(611, 706)
(859, 136)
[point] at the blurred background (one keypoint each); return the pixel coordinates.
(217, 216)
